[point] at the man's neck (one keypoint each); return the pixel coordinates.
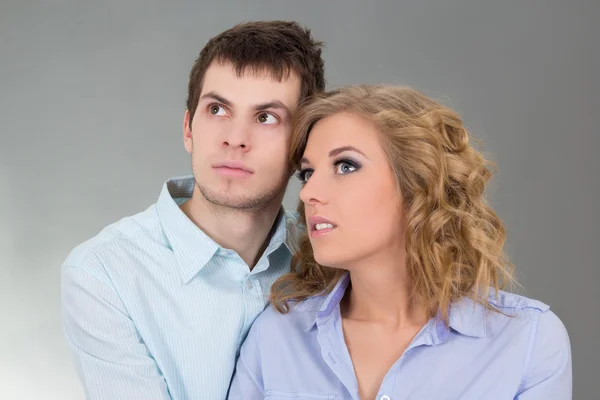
(247, 232)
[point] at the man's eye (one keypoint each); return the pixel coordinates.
(216, 109)
(266, 118)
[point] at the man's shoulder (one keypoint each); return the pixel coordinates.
(292, 217)
(295, 229)
(129, 232)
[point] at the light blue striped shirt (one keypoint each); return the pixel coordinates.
(154, 309)
(478, 355)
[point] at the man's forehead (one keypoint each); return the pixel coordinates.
(260, 84)
(256, 71)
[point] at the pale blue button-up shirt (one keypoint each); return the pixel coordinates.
(154, 309)
(480, 355)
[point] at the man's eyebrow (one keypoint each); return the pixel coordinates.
(272, 104)
(215, 96)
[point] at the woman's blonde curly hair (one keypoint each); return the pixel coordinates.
(454, 240)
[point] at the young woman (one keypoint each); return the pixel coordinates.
(396, 292)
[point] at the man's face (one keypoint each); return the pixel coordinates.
(240, 134)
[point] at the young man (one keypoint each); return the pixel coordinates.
(157, 305)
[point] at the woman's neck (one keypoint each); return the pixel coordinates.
(380, 292)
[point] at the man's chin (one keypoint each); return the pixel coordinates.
(237, 201)
(236, 204)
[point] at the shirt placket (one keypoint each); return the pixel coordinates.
(391, 387)
(337, 357)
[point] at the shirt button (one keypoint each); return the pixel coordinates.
(332, 358)
(249, 285)
(385, 397)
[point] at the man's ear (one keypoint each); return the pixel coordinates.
(187, 132)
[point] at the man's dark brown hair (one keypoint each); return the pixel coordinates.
(276, 46)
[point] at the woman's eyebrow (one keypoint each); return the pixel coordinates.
(339, 150)
(335, 152)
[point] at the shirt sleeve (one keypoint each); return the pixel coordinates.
(247, 382)
(549, 375)
(110, 357)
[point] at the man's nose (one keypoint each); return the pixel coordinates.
(238, 137)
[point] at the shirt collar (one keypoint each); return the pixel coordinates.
(466, 316)
(193, 248)
(281, 236)
(328, 303)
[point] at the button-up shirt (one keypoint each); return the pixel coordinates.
(522, 353)
(153, 308)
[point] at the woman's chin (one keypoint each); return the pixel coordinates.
(331, 260)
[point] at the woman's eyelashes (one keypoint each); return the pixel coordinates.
(342, 166)
(304, 174)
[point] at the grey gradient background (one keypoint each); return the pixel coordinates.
(91, 106)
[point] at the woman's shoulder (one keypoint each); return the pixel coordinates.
(508, 301)
(504, 314)
(531, 317)
(546, 341)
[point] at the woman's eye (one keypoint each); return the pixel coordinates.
(345, 168)
(304, 175)
(266, 118)
(216, 109)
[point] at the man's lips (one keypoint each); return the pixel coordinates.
(233, 169)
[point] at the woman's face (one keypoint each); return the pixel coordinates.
(352, 205)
